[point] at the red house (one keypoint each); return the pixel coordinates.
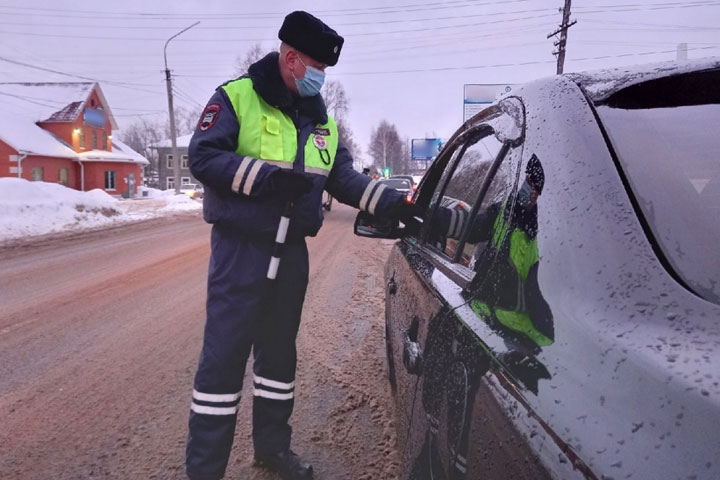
(62, 133)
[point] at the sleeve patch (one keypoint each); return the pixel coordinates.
(209, 116)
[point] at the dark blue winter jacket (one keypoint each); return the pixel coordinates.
(255, 209)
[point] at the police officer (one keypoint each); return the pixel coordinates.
(266, 141)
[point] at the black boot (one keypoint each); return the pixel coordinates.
(287, 464)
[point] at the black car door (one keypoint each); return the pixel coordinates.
(429, 277)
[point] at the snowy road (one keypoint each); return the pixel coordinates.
(100, 334)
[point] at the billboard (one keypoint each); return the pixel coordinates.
(95, 117)
(425, 148)
(477, 96)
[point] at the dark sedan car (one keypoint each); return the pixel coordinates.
(566, 323)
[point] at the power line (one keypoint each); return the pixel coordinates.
(659, 25)
(626, 8)
(348, 35)
(109, 82)
(336, 12)
(517, 64)
(692, 3)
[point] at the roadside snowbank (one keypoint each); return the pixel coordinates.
(37, 208)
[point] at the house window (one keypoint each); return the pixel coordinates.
(185, 180)
(81, 138)
(184, 162)
(170, 183)
(38, 174)
(94, 140)
(63, 176)
(169, 160)
(109, 179)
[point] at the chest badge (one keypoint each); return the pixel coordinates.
(320, 142)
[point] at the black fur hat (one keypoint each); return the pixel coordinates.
(535, 173)
(312, 37)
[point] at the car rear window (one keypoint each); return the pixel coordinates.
(397, 183)
(667, 139)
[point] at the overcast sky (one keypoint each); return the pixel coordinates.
(405, 61)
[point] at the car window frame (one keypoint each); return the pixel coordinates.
(468, 134)
(451, 266)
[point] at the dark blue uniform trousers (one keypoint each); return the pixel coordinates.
(240, 318)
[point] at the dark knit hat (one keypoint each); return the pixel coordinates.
(312, 37)
(535, 173)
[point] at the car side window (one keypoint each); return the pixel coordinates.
(487, 225)
(458, 191)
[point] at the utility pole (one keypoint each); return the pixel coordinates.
(562, 30)
(171, 111)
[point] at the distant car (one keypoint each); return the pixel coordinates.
(400, 184)
(409, 178)
(192, 190)
(571, 329)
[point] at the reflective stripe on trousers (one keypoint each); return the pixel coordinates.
(236, 324)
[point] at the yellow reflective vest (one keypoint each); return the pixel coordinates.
(269, 134)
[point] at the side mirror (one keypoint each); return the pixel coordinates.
(367, 225)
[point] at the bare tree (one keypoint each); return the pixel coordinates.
(140, 136)
(242, 63)
(337, 105)
(346, 137)
(386, 148)
(186, 119)
(335, 99)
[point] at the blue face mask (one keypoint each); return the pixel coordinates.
(523, 196)
(312, 81)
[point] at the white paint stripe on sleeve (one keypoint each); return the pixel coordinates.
(273, 395)
(453, 219)
(375, 198)
(282, 230)
(250, 181)
(273, 383)
(273, 268)
(285, 165)
(240, 173)
(205, 410)
(217, 398)
(366, 195)
(460, 223)
(317, 171)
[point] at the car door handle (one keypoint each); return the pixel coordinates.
(412, 355)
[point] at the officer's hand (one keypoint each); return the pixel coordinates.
(290, 185)
(406, 213)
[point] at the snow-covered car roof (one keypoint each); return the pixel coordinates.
(600, 84)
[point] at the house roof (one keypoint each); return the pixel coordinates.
(25, 104)
(122, 148)
(105, 156)
(27, 138)
(182, 142)
(50, 101)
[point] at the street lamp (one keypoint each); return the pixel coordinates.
(173, 139)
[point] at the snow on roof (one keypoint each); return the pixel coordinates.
(123, 148)
(182, 142)
(39, 101)
(600, 84)
(114, 156)
(51, 101)
(26, 137)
